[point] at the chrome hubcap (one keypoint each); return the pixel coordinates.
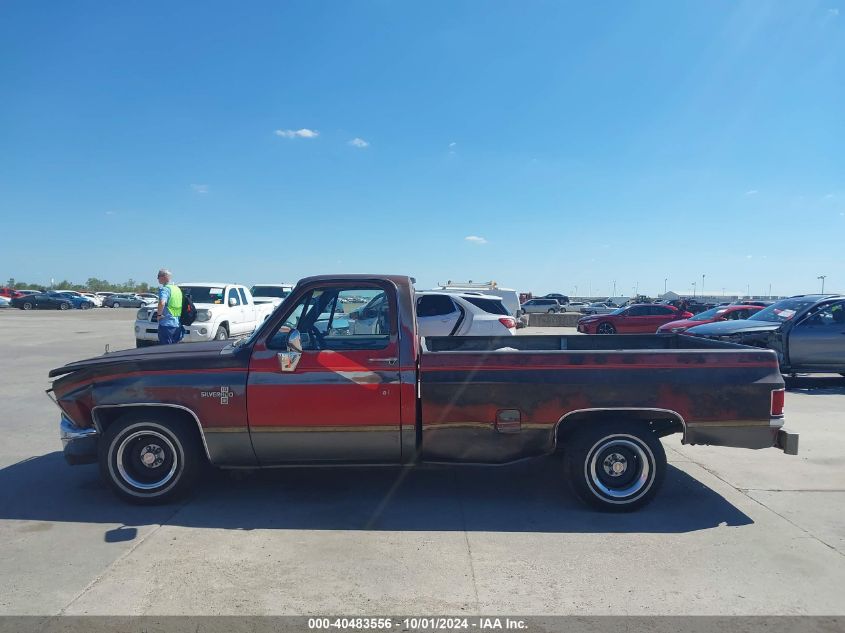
(146, 460)
(152, 456)
(615, 464)
(619, 468)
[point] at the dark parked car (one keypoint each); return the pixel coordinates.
(43, 301)
(123, 301)
(641, 318)
(807, 332)
(79, 302)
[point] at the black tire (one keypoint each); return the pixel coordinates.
(166, 441)
(87, 306)
(27, 306)
(552, 311)
(222, 333)
(606, 328)
(116, 304)
(615, 466)
(64, 306)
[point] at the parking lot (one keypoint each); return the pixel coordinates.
(732, 532)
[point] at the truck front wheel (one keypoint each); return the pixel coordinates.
(149, 458)
(222, 333)
(617, 467)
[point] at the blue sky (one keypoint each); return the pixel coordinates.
(581, 142)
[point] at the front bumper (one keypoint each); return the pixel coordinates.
(199, 332)
(79, 445)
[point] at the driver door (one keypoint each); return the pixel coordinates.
(339, 400)
(818, 342)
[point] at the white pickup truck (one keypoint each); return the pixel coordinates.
(223, 310)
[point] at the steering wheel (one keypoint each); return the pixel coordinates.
(318, 336)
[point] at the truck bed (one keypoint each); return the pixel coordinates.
(497, 399)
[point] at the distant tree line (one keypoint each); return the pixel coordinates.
(92, 285)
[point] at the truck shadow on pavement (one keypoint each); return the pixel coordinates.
(526, 497)
(821, 385)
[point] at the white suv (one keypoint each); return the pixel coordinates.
(445, 314)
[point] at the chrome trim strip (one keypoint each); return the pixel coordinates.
(153, 404)
(599, 409)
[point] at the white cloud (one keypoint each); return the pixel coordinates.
(749, 256)
(829, 196)
(359, 142)
(200, 188)
(475, 239)
(751, 192)
(303, 133)
(111, 212)
(833, 12)
(452, 144)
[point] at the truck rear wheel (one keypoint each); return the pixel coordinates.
(616, 466)
(150, 458)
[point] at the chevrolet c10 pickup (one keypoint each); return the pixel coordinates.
(303, 390)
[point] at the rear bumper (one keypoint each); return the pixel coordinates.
(79, 445)
(743, 435)
(787, 442)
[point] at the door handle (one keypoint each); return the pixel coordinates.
(387, 361)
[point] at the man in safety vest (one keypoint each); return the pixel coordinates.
(169, 309)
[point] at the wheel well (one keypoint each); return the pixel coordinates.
(105, 416)
(661, 422)
(224, 324)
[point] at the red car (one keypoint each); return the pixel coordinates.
(719, 313)
(9, 293)
(640, 318)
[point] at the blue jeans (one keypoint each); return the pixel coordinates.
(169, 334)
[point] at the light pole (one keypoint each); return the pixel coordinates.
(822, 277)
(614, 287)
(665, 280)
(770, 290)
(702, 286)
(748, 291)
(576, 291)
(693, 290)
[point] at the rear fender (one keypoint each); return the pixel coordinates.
(662, 421)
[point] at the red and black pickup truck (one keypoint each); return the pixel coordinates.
(325, 381)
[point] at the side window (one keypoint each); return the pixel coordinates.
(434, 305)
(243, 296)
(233, 294)
(339, 319)
(659, 311)
(638, 311)
(830, 316)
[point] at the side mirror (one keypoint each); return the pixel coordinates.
(294, 341)
(232, 302)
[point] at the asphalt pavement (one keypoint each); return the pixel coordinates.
(733, 532)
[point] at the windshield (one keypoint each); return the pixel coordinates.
(269, 291)
(782, 310)
(712, 313)
(204, 294)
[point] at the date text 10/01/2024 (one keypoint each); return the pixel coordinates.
(417, 624)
